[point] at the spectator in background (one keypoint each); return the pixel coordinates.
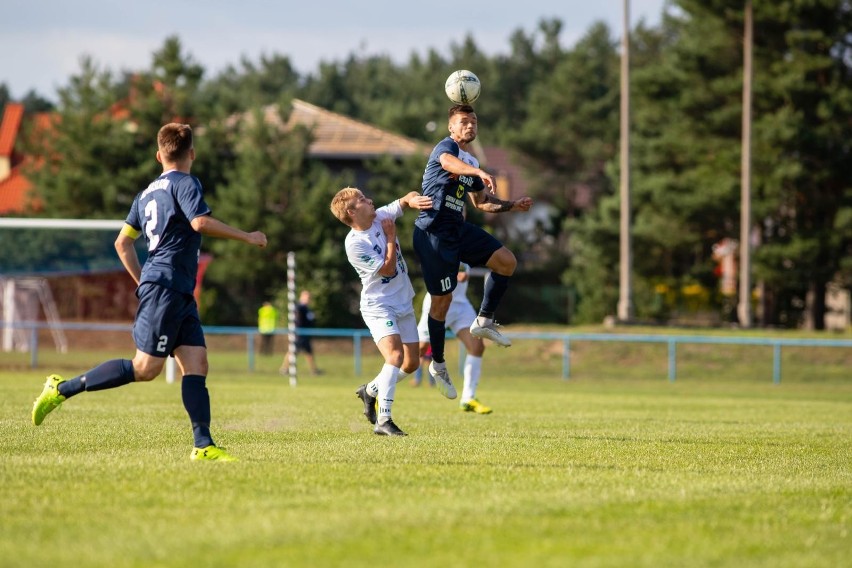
(305, 319)
(267, 320)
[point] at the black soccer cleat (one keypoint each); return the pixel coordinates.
(369, 403)
(388, 429)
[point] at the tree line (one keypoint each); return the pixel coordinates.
(557, 109)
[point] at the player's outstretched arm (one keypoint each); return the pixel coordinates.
(414, 200)
(212, 227)
(493, 204)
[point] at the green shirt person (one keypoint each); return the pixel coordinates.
(267, 320)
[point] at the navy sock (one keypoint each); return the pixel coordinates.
(437, 329)
(495, 287)
(196, 400)
(108, 375)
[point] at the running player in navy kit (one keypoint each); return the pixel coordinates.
(172, 216)
(443, 239)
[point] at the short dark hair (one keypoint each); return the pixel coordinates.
(457, 109)
(174, 141)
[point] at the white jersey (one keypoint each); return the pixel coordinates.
(366, 253)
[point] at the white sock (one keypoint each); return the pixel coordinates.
(483, 321)
(402, 374)
(472, 371)
(373, 387)
(386, 380)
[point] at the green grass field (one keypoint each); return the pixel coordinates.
(616, 467)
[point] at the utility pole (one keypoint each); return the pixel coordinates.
(744, 306)
(625, 293)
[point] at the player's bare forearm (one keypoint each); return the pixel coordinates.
(456, 166)
(490, 203)
(413, 200)
(212, 227)
(389, 266)
(128, 257)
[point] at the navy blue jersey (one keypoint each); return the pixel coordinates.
(163, 213)
(447, 191)
(304, 316)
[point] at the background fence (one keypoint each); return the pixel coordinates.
(248, 336)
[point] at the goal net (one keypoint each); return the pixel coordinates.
(55, 269)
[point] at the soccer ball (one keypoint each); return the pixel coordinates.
(462, 87)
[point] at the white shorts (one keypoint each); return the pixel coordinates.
(404, 325)
(459, 317)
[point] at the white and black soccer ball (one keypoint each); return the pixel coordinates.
(462, 87)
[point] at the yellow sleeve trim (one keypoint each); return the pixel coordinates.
(129, 231)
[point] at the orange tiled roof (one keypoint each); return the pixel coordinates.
(338, 136)
(13, 193)
(12, 116)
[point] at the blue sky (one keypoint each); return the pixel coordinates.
(43, 40)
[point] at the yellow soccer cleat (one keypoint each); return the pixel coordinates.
(474, 406)
(48, 400)
(211, 453)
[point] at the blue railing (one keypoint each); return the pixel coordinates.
(358, 335)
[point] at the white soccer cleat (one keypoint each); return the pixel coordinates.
(489, 332)
(442, 379)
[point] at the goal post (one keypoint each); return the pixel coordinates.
(31, 249)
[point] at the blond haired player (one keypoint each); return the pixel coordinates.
(386, 294)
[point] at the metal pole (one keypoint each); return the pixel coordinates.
(291, 316)
(672, 360)
(744, 306)
(625, 302)
(250, 350)
(776, 363)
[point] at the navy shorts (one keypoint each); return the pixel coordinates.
(303, 344)
(165, 320)
(440, 257)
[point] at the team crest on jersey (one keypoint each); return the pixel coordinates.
(389, 323)
(460, 192)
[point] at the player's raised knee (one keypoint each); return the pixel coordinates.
(503, 261)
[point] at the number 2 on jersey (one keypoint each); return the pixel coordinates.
(151, 224)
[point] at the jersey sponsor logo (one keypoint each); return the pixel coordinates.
(454, 203)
